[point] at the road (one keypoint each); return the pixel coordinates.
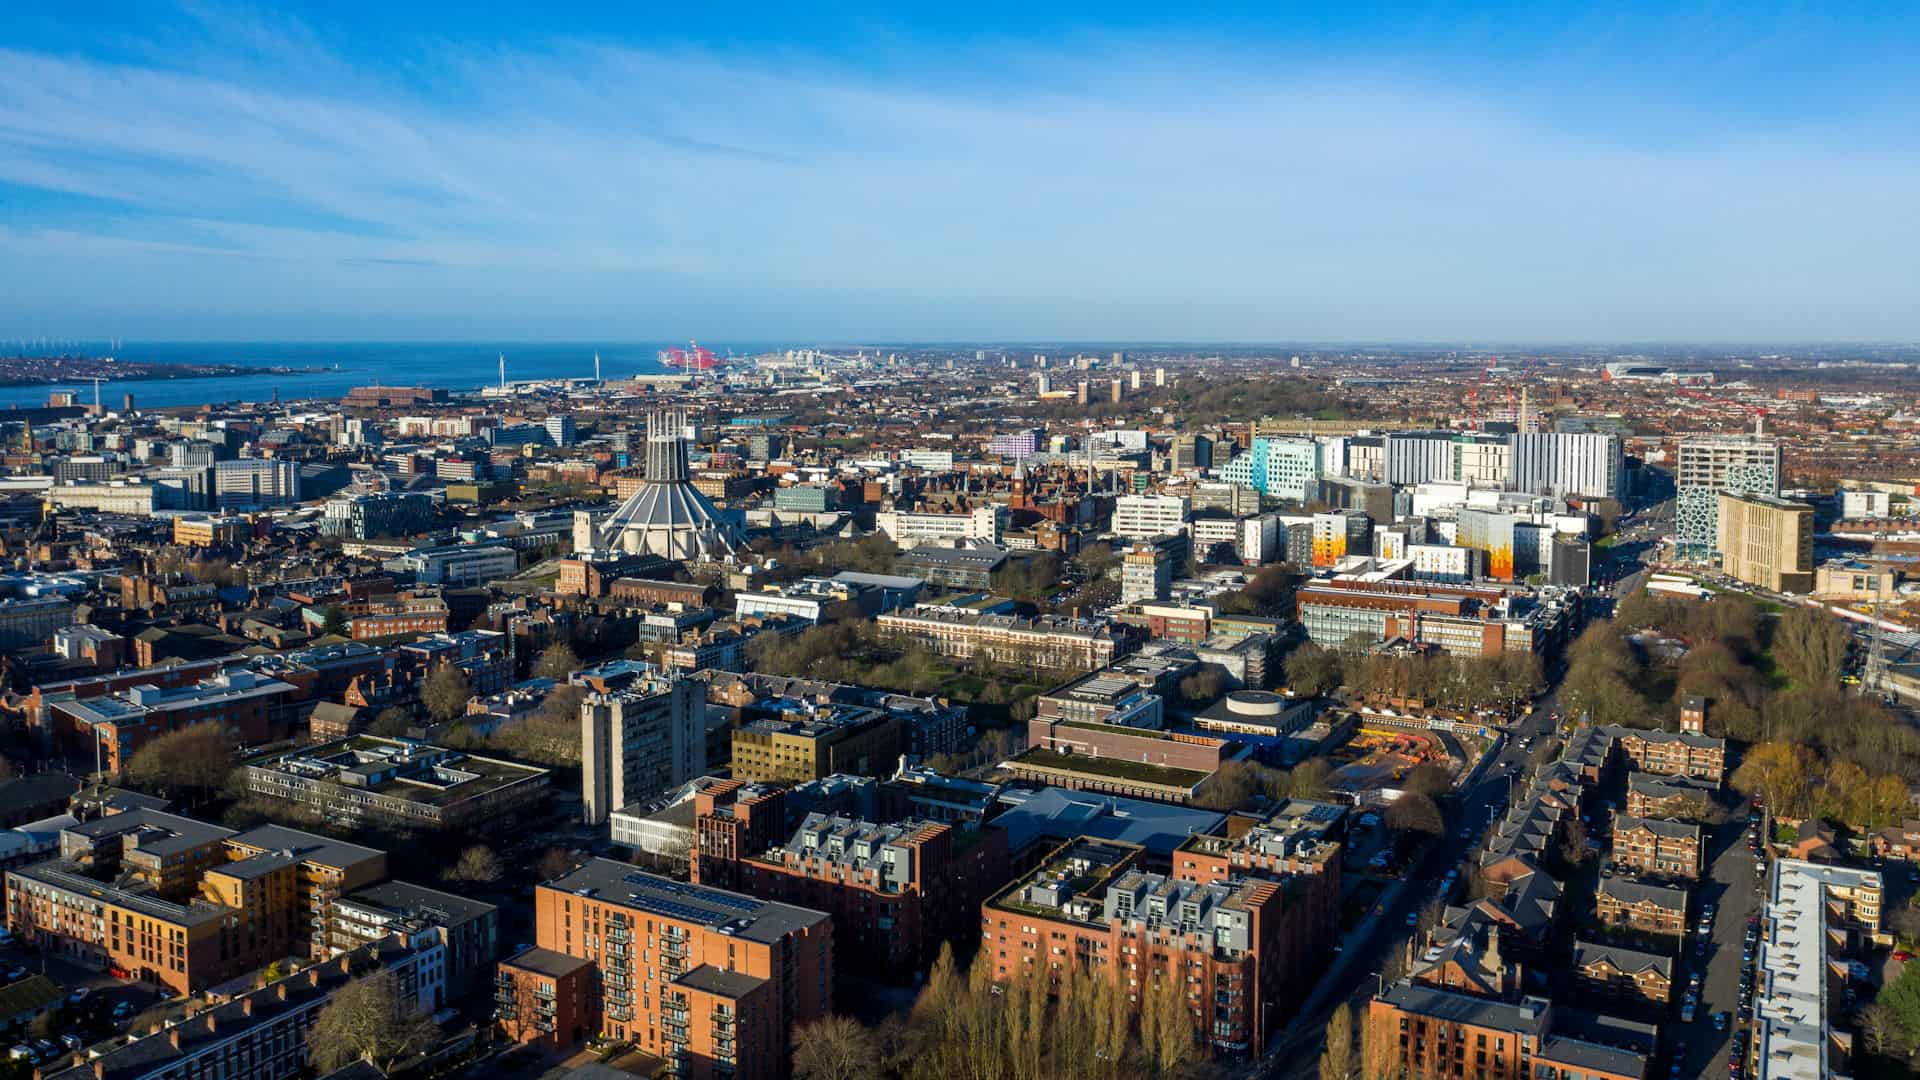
(1352, 976)
(1731, 886)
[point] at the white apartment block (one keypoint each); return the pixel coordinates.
(908, 529)
(1143, 517)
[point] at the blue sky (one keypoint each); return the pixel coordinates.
(1613, 173)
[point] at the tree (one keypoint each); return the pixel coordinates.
(476, 864)
(554, 862)
(1236, 783)
(1428, 779)
(1905, 922)
(551, 736)
(1881, 1032)
(1309, 779)
(1202, 686)
(371, 1021)
(1099, 560)
(1415, 813)
(833, 1048)
(1781, 774)
(1166, 1025)
(1337, 1062)
(556, 662)
(1810, 646)
(1312, 670)
(194, 760)
(1886, 801)
(333, 621)
(446, 692)
(393, 722)
(1573, 846)
(1901, 998)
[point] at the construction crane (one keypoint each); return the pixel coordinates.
(1473, 392)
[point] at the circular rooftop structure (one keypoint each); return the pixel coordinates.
(1256, 703)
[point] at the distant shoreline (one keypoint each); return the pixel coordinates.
(18, 371)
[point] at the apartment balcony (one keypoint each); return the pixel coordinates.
(619, 1012)
(675, 949)
(619, 952)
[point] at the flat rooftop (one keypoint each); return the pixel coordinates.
(1790, 1004)
(731, 913)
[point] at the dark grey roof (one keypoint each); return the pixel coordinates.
(1635, 892)
(404, 897)
(732, 913)
(1628, 960)
(165, 833)
(1591, 1057)
(1698, 742)
(1460, 1008)
(255, 866)
(1656, 786)
(547, 962)
(1672, 830)
(1531, 899)
(30, 793)
(713, 980)
(306, 846)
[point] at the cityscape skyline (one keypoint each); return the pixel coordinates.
(1611, 175)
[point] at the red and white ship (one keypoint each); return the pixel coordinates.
(695, 357)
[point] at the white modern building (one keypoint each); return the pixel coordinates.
(1143, 517)
(911, 529)
(458, 565)
(1567, 463)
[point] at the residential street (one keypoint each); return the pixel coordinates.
(1351, 978)
(1730, 885)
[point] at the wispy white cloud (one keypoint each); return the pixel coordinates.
(1128, 192)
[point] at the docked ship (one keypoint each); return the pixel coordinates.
(695, 357)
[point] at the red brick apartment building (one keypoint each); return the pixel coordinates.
(712, 981)
(1300, 846)
(1424, 1032)
(1092, 907)
(896, 891)
(1656, 847)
